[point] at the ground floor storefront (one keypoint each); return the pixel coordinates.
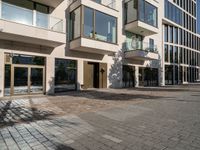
(27, 74)
(178, 74)
(134, 76)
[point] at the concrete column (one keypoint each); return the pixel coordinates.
(50, 75)
(136, 76)
(1, 73)
(161, 78)
(80, 73)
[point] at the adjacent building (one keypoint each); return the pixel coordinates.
(55, 46)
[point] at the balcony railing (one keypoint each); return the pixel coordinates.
(30, 17)
(108, 3)
(130, 46)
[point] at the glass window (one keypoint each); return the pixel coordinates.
(131, 9)
(176, 35)
(75, 22)
(88, 22)
(42, 8)
(65, 75)
(150, 14)
(171, 34)
(181, 55)
(166, 54)
(26, 59)
(142, 10)
(105, 29)
(7, 83)
(171, 54)
(168, 75)
(166, 33)
(176, 54)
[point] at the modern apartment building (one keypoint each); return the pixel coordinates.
(55, 46)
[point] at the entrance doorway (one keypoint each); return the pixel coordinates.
(128, 76)
(148, 77)
(95, 75)
(23, 79)
(26, 80)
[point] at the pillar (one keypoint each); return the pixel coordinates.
(50, 75)
(136, 76)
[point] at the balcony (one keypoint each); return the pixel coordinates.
(93, 31)
(29, 26)
(106, 6)
(141, 51)
(141, 17)
(107, 3)
(93, 46)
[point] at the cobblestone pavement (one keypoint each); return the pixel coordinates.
(124, 119)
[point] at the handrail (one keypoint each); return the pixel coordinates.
(139, 45)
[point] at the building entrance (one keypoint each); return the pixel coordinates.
(22, 79)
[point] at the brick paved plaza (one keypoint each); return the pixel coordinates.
(122, 119)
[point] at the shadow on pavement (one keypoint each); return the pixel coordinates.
(10, 114)
(103, 95)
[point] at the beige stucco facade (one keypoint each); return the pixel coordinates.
(17, 38)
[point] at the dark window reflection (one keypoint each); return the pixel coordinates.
(65, 75)
(30, 60)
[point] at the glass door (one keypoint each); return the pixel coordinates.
(36, 80)
(20, 80)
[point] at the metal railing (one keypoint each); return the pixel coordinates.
(108, 3)
(130, 46)
(30, 17)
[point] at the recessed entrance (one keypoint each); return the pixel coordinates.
(25, 80)
(95, 75)
(148, 76)
(21, 79)
(128, 76)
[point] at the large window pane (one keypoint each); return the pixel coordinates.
(65, 75)
(131, 9)
(166, 53)
(171, 54)
(29, 60)
(150, 14)
(142, 10)
(75, 21)
(105, 28)
(88, 22)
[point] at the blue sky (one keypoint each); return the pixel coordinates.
(198, 16)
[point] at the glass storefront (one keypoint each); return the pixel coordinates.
(168, 74)
(65, 75)
(24, 74)
(128, 76)
(148, 76)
